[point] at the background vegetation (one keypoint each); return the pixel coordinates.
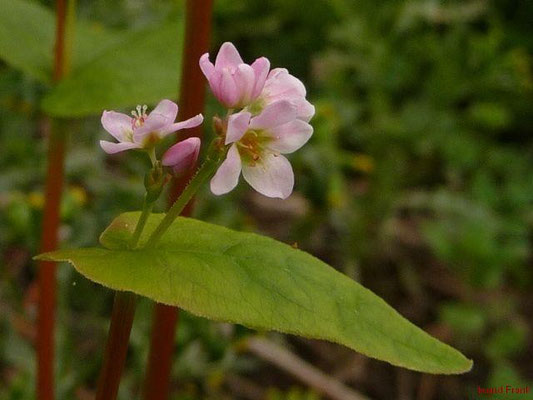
(418, 183)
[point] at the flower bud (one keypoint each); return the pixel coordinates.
(183, 155)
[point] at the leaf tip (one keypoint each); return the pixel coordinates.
(469, 364)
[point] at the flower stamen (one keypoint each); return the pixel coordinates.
(139, 116)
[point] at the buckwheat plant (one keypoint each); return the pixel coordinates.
(233, 276)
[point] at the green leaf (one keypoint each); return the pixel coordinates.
(142, 69)
(256, 281)
(27, 36)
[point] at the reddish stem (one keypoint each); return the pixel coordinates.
(117, 345)
(49, 234)
(192, 100)
(161, 350)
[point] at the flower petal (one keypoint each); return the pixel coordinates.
(261, 66)
(237, 126)
(182, 156)
(272, 176)
(290, 137)
(228, 57)
(306, 110)
(206, 66)
(227, 175)
(117, 124)
(282, 85)
(154, 123)
(274, 114)
(189, 123)
(245, 82)
(167, 109)
(112, 148)
(227, 89)
(214, 83)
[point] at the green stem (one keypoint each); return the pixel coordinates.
(207, 170)
(151, 154)
(147, 209)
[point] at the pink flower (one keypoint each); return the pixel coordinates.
(280, 85)
(182, 156)
(142, 130)
(258, 143)
(234, 83)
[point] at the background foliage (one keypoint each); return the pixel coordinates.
(417, 183)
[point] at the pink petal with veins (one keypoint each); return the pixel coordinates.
(112, 148)
(167, 109)
(206, 66)
(237, 126)
(261, 67)
(117, 124)
(272, 176)
(228, 57)
(244, 82)
(290, 137)
(274, 114)
(227, 175)
(189, 123)
(227, 89)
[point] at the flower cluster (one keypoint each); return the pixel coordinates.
(145, 131)
(273, 120)
(268, 116)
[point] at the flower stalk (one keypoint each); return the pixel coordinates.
(147, 209)
(205, 172)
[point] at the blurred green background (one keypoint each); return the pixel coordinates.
(418, 182)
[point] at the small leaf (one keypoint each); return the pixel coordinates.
(256, 281)
(27, 36)
(141, 69)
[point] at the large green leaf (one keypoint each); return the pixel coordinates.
(142, 69)
(27, 36)
(256, 281)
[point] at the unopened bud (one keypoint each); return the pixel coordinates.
(183, 155)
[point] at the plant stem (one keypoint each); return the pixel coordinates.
(124, 304)
(65, 17)
(147, 209)
(121, 324)
(192, 100)
(161, 351)
(207, 170)
(117, 345)
(47, 270)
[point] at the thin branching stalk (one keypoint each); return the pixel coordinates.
(205, 172)
(147, 209)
